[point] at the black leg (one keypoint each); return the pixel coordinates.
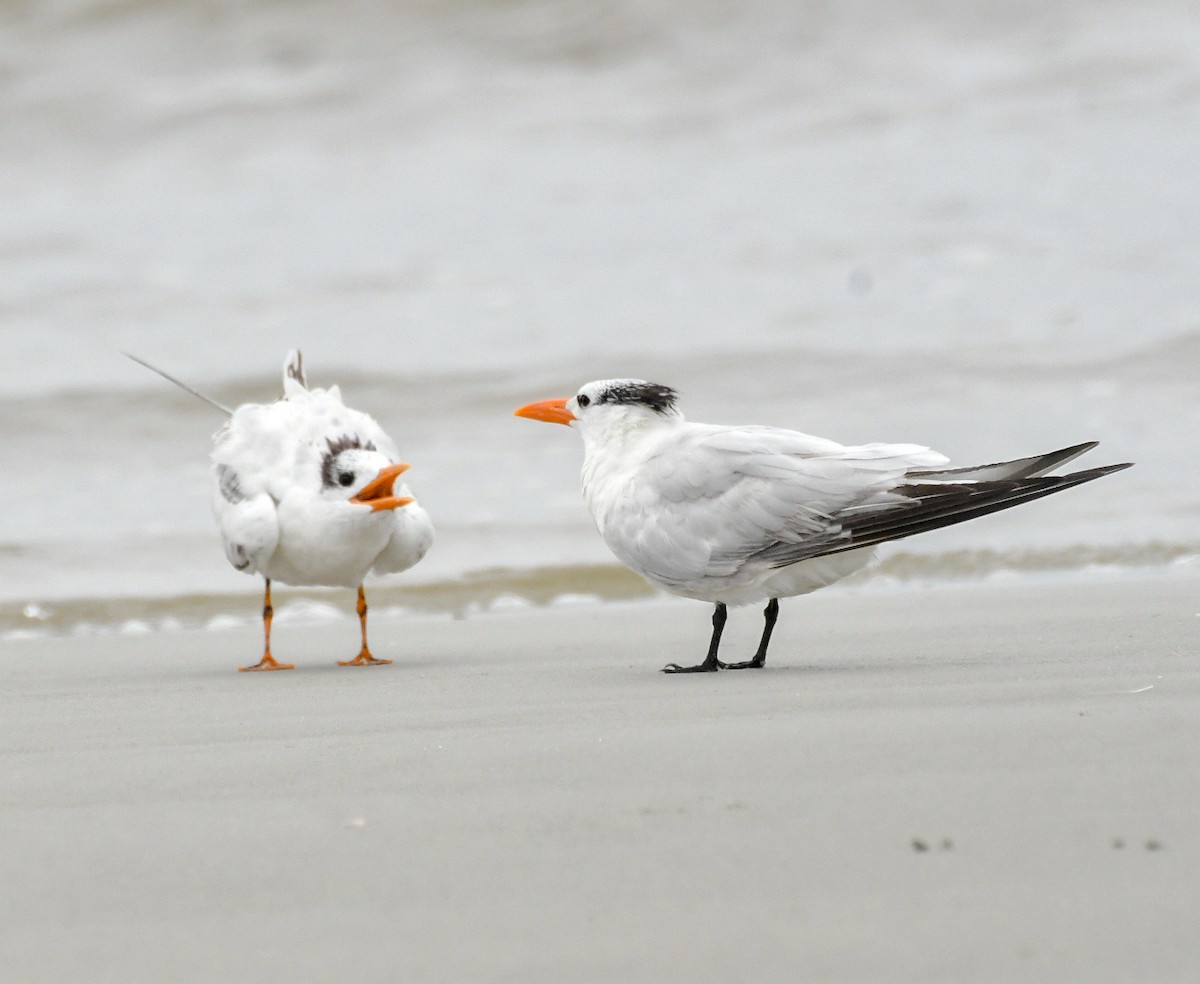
(711, 663)
(770, 614)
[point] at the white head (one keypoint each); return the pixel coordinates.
(355, 471)
(608, 405)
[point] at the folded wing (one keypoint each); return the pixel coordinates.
(248, 523)
(710, 498)
(719, 500)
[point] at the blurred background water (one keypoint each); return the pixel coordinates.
(973, 225)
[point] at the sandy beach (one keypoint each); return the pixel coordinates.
(996, 782)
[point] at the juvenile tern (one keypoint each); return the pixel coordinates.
(305, 492)
(741, 515)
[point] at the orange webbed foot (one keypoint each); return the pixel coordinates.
(364, 658)
(268, 662)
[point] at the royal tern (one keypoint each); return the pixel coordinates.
(741, 515)
(305, 492)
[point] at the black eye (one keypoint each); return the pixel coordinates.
(583, 399)
(345, 478)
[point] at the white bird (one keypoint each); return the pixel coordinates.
(739, 515)
(305, 492)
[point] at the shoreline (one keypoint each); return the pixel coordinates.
(986, 782)
(480, 591)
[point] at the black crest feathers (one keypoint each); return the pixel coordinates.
(659, 398)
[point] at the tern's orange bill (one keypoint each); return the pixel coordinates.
(377, 493)
(551, 411)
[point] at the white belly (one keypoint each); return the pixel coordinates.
(753, 587)
(332, 547)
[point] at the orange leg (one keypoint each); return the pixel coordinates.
(364, 658)
(268, 661)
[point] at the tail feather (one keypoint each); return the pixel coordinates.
(293, 373)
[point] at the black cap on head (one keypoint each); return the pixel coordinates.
(655, 396)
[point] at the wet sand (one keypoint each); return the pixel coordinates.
(995, 782)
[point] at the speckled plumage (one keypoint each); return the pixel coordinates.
(278, 512)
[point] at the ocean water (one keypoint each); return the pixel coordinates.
(974, 226)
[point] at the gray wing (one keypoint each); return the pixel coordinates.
(713, 498)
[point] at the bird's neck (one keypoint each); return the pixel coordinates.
(609, 452)
(622, 434)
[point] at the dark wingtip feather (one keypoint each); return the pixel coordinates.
(1037, 465)
(933, 506)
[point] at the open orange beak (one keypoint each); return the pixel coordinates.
(377, 493)
(551, 411)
